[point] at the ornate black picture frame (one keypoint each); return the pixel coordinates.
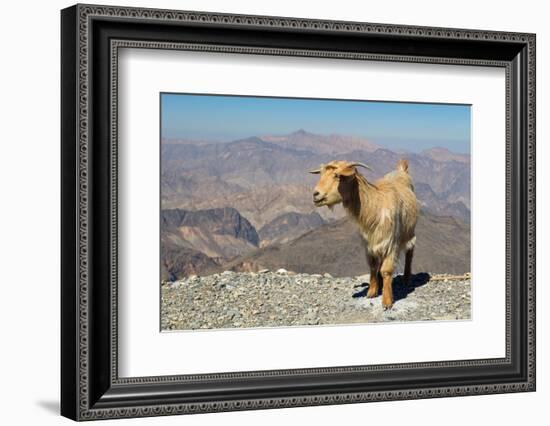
(91, 36)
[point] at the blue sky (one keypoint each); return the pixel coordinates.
(396, 125)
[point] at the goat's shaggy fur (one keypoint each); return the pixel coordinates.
(385, 212)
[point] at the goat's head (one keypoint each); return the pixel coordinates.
(335, 180)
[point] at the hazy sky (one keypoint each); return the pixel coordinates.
(408, 126)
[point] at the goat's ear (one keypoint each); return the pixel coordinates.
(315, 172)
(348, 171)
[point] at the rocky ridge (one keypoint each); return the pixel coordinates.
(283, 298)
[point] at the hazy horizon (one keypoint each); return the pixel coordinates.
(405, 126)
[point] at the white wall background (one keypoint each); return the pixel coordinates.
(29, 213)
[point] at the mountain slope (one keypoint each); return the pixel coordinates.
(443, 245)
(245, 163)
(288, 226)
(275, 174)
(438, 205)
(178, 261)
(217, 233)
(443, 154)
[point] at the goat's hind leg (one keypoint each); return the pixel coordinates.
(408, 262)
(408, 259)
(374, 265)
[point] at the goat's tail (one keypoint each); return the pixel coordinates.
(403, 165)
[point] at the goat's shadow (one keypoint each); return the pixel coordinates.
(400, 289)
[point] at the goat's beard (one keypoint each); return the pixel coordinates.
(327, 203)
(328, 206)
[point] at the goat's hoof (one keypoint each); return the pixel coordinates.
(372, 293)
(387, 305)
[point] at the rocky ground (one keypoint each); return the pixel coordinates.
(282, 298)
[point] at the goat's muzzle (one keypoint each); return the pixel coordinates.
(318, 198)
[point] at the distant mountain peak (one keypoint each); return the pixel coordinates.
(254, 139)
(334, 143)
(437, 149)
(301, 132)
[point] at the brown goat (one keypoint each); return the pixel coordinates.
(385, 211)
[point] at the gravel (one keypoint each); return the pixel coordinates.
(283, 298)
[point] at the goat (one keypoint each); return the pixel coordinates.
(385, 211)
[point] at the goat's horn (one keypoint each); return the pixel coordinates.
(362, 165)
(316, 171)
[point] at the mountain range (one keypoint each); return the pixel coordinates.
(246, 202)
(221, 240)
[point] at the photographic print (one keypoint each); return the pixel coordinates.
(279, 212)
(265, 183)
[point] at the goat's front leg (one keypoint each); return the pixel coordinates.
(374, 265)
(386, 270)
